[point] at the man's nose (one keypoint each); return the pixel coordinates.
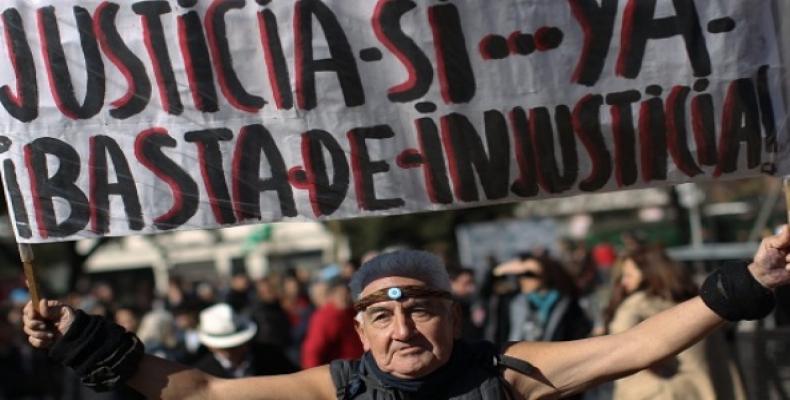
(404, 326)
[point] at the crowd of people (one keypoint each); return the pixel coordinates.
(295, 320)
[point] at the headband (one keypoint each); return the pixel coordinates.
(400, 293)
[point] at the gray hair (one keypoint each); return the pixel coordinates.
(415, 264)
(157, 329)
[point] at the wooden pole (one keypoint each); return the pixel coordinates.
(26, 254)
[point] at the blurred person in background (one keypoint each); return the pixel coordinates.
(273, 325)
(463, 288)
(593, 280)
(318, 289)
(176, 296)
(649, 282)
(228, 336)
(142, 296)
(205, 295)
(157, 331)
(127, 317)
(348, 268)
(298, 308)
(186, 329)
(104, 295)
(495, 294)
(240, 292)
(546, 308)
(98, 300)
(318, 293)
(17, 297)
(330, 333)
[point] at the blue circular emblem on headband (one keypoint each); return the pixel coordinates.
(394, 293)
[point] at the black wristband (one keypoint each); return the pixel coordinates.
(102, 353)
(732, 292)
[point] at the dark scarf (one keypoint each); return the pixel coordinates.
(436, 380)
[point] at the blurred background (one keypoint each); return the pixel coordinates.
(287, 278)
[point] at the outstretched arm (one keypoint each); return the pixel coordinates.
(569, 367)
(564, 368)
(157, 378)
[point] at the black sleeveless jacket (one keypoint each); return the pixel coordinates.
(476, 375)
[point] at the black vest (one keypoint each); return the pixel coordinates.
(479, 377)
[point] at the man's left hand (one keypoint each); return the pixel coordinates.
(771, 265)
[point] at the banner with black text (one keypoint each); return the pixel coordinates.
(135, 117)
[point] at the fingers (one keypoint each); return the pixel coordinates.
(33, 322)
(28, 309)
(39, 343)
(781, 240)
(39, 331)
(43, 308)
(50, 310)
(40, 335)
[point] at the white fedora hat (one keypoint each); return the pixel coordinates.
(221, 328)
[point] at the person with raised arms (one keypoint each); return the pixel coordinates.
(408, 324)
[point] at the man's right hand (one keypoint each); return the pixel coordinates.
(45, 325)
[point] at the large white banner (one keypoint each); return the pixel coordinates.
(135, 117)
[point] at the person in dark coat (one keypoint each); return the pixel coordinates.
(232, 354)
(274, 327)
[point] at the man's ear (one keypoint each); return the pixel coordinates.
(457, 320)
(361, 332)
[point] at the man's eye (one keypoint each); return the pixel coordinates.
(380, 317)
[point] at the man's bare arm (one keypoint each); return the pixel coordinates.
(564, 368)
(569, 367)
(157, 378)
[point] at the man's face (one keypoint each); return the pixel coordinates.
(410, 338)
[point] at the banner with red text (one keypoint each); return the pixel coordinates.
(135, 117)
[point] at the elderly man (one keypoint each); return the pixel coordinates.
(407, 323)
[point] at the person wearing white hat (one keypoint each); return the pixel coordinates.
(227, 335)
(408, 323)
(221, 328)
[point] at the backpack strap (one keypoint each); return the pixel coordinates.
(346, 376)
(515, 364)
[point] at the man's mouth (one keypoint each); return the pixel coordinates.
(408, 350)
